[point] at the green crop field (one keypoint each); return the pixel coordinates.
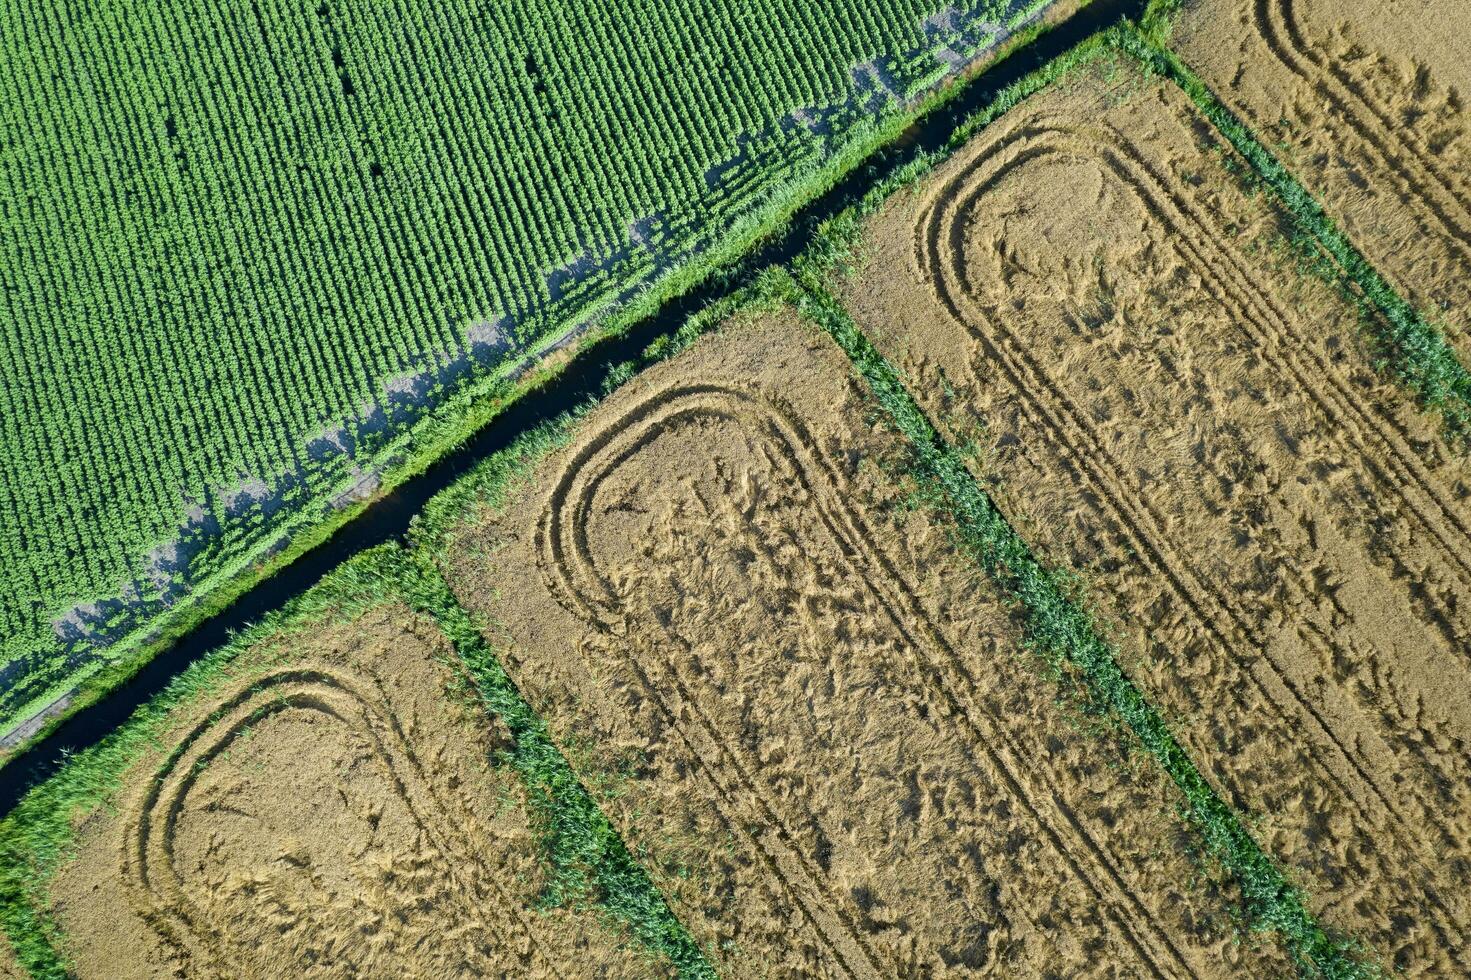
(250, 253)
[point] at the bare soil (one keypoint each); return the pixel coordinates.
(330, 811)
(1270, 530)
(837, 760)
(1365, 102)
(9, 968)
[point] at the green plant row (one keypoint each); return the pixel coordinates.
(279, 208)
(1061, 631)
(1411, 348)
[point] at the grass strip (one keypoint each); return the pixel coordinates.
(1062, 632)
(1411, 348)
(589, 863)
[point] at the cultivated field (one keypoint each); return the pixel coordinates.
(835, 752)
(1278, 541)
(1059, 566)
(259, 257)
(1365, 101)
(324, 805)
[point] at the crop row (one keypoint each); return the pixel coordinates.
(246, 244)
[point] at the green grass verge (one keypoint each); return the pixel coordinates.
(589, 865)
(1060, 631)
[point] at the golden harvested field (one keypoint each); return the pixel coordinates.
(834, 748)
(329, 809)
(1365, 102)
(1275, 536)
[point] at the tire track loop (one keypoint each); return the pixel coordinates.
(1026, 376)
(783, 859)
(902, 606)
(940, 234)
(781, 431)
(1277, 24)
(155, 886)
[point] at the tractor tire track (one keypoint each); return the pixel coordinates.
(938, 246)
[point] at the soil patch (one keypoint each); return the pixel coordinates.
(1271, 531)
(330, 810)
(9, 968)
(836, 758)
(1365, 102)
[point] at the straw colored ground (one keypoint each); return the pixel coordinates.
(832, 742)
(329, 811)
(1366, 103)
(1166, 405)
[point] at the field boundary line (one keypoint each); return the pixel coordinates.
(1063, 633)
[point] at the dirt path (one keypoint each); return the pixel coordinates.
(330, 811)
(1283, 553)
(1365, 102)
(832, 741)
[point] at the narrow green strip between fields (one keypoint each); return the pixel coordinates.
(1062, 632)
(589, 864)
(1411, 348)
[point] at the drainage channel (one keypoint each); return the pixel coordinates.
(387, 518)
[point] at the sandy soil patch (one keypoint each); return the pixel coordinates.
(836, 755)
(1365, 102)
(1271, 529)
(330, 812)
(9, 968)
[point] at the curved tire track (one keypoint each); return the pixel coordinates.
(572, 576)
(938, 251)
